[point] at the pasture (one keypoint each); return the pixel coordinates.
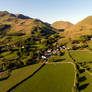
(17, 75)
(51, 78)
(82, 56)
(85, 77)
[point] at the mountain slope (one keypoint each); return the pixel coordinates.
(21, 23)
(23, 40)
(22, 26)
(84, 27)
(61, 25)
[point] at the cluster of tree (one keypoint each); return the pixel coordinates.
(3, 29)
(82, 39)
(25, 52)
(80, 79)
(42, 31)
(16, 34)
(79, 47)
(85, 65)
(75, 41)
(52, 39)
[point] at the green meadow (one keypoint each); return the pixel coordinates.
(82, 56)
(17, 75)
(85, 77)
(51, 78)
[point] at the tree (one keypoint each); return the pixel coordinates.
(84, 38)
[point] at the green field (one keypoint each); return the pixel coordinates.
(51, 78)
(17, 76)
(8, 55)
(82, 56)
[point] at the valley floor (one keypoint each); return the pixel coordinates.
(17, 76)
(53, 77)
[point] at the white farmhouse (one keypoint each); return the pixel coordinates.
(44, 57)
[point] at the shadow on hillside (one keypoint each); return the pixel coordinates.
(5, 78)
(82, 79)
(59, 60)
(81, 70)
(83, 86)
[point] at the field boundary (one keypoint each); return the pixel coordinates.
(74, 60)
(74, 66)
(46, 63)
(75, 76)
(13, 87)
(80, 66)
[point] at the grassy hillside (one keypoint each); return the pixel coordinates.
(25, 41)
(14, 27)
(21, 38)
(84, 27)
(61, 25)
(79, 34)
(23, 24)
